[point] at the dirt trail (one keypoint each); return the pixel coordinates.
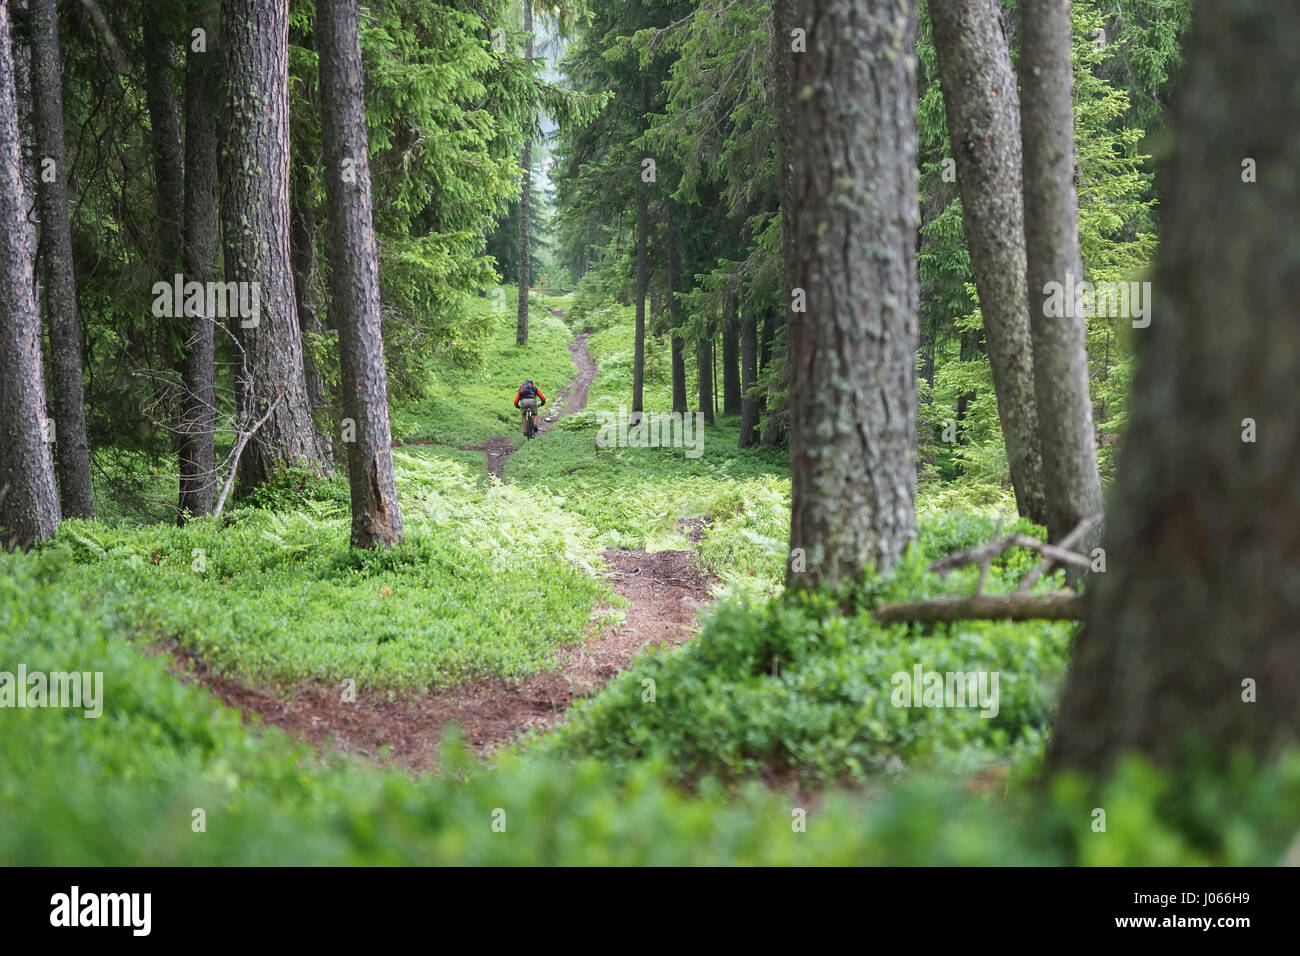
(571, 398)
(664, 590)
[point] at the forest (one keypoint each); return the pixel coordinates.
(650, 432)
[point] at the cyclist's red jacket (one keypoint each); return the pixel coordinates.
(540, 396)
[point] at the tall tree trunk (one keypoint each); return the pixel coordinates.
(771, 418)
(642, 273)
(704, 375)
(22, 54)
(66, 375)
(771, 319)
(29, 504)
(730, 358)
(254, 176)
(748, 376)
(680, 404)
(525, 202)
(302, 249)
(979, 95)
(1192, 627)
(589, 254)
(198, 404)
(642, 280)
(970, 352)
(354, 276)
(849, 238)
(161, 69)
(1068, 443)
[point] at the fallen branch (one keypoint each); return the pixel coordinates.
(1056, 606)
(235, 456)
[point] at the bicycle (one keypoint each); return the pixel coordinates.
(530, 423)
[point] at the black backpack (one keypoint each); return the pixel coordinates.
(528, 390)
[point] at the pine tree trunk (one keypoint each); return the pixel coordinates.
(165, 137)
(970, 352)
(525, 203)
(849, 216)
(354, 276)
(29, 504)
(772, 411)
(678, 347)
(198, 474)
(66, 367)
(1200, 592)
(704, 376)
(22, 53)
(730, 358)
(979, 95)
(163, 102)
(302, 249)
(748, 375)
(589, 256)
(1068, 444)
(254, 174)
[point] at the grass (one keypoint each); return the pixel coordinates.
(468, 406)
(789, 685)
(124, 789)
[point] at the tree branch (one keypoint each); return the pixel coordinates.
(1057, 606)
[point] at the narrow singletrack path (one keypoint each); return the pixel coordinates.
(571, 398)
(664, 590)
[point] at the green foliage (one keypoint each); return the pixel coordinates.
(792, 685)
(126, 785)
(486, 582)
(636, 497)
(459, 404)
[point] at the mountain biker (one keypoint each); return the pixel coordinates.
(528, 396)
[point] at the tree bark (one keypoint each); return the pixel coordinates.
(704, 375)
(1200, 593)
(20, 24)
(161, 64)
(678, 347)
(254, 176)
(730, 358)
(979, 95)
(198, 470)
(525, 202)
(354, 276)
(1066, 606)
(849, 215)
(29, 504)
(1068, 443)
(748, 376)
(66, 364)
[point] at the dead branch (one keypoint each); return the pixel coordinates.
(1082, 528)
(239, 450)
(1019, 606)
(1056, 606)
